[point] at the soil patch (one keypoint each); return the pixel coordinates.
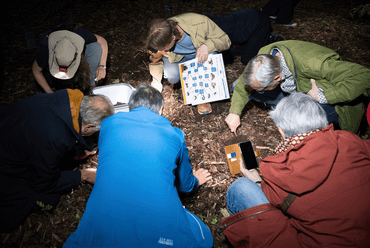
(122, 23)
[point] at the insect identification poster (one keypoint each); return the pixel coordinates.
(205, 82)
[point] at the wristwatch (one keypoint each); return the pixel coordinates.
(103, 66)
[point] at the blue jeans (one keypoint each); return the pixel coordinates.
(93, 55)
(243, 194)
(171, 71)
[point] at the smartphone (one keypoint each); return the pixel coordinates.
(249, 158)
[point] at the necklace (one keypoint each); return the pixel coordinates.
(293, 141)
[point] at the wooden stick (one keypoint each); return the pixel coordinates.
(214, 162)
(263, 147)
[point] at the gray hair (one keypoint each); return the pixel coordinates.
(146, 96)
(94, 109)
(298, 113)
(269, 67)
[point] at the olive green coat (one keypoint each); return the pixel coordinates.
(343, 82)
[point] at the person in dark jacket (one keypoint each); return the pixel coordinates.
(248, 30)
(39, 135)
(70, 56)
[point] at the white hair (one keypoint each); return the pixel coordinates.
(268, 65)
(298, 113)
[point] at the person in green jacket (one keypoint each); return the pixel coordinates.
(288, 66)
(178, 39)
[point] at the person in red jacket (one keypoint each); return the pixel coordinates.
(314, 191)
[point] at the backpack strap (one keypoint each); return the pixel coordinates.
(287, 201)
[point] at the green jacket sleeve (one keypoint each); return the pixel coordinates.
(343, 81)
(239, 99)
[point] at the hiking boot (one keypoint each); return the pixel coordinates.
(204, 109)
(274, 38)
(280, 38)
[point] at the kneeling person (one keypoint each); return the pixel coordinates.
(143, 163)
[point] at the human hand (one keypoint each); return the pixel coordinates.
(93, 152)
(314, 91)
(87, 153)
(88, 175)
(203, 175)
(251, 174)
(100, 73)
(202, 53)
(233, 121)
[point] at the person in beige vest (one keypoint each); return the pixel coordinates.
(178, 39)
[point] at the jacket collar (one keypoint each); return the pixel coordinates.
(75, 98)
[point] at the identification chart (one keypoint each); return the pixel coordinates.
(205, 82)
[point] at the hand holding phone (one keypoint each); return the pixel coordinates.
(251, 174)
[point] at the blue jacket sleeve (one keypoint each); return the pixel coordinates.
(185, 182)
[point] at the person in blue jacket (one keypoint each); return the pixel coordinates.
(143, 163)
(39, 137)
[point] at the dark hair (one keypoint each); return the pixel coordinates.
(160, 33)
(146, 96)
(83, 75)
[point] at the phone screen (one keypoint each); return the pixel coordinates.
(248, 155)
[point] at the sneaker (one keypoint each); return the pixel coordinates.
(272, 17)
(272, 37)
(280, 38)
(292, 24)
(204, 109)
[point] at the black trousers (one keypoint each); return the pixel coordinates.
(18, 200)
(282, 9)
(248, 30)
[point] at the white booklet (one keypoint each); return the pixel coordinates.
(205, 82)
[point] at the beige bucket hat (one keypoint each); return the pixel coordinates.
(65, 48)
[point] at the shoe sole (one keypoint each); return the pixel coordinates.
(204, 113)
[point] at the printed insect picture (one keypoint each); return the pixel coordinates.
(205, 82)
